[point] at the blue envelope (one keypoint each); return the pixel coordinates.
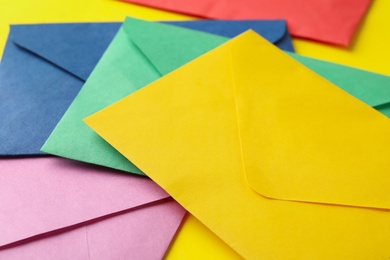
(44, 66)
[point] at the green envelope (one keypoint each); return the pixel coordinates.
(142, 52)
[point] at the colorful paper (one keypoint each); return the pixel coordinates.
(135, 50)
(44, 66)
(278, 166)
(139, 72)
(47, 202)
(331, 21)
(368, 51)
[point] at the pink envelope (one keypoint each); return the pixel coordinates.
(57, 208)
(329, 21)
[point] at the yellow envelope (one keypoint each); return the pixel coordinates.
(271, 157)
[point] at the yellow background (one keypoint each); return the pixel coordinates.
(370, 50)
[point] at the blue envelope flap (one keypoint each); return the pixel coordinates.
(42, 70)
(80, 53)
(86, 42)
(33, 96)
(274, 31)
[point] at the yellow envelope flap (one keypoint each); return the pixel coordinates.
(304, 139)
(299, 137)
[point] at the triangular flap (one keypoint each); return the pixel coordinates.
(85, 43)
(154, 40)
(303, 138)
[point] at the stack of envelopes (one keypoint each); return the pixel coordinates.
(265, 152)
(280, 155)
(54, 207)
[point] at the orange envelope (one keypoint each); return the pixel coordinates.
(274, 159)
(329, 21)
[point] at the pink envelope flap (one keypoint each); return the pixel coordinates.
(42, 195)
(136, 234)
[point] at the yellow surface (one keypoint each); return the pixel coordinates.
(370, 51)
(226, 132)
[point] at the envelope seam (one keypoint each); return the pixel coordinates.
(60, 67)
(234, 86)
(138, 47)
(381, 104)
(86, 237)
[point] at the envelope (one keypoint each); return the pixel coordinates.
(56, 208)
(45, 79)
(109, 83)
(274, 159)
(331, 21)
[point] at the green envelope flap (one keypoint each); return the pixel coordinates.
(170, 47)
(376, 90)
(138, 55)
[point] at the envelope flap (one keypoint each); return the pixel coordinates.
(156, 43)
(55, 194)
(86, 42)
(272, 30)
(304, 139)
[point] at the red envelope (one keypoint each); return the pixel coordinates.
(329, 21)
